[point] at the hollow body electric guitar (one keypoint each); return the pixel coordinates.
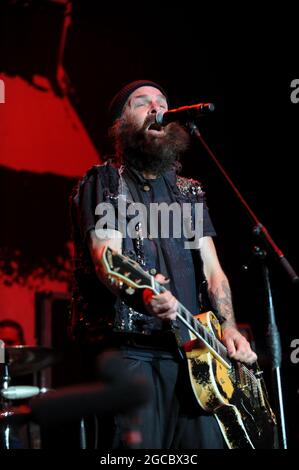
(233, 392)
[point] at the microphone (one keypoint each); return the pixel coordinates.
(116, 392)
(71, 403)
(184, 113)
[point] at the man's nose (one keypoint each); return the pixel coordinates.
(154, 107)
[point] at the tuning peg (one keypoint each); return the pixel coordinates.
(130, 291)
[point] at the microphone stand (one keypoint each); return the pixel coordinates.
(274, 346)
(273, 333)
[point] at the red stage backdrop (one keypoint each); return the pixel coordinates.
(44, 149)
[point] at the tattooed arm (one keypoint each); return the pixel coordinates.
(220, 296)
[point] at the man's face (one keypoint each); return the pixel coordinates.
(141, 108)
(142, 144)
(9, 335)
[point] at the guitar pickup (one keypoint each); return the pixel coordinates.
(193, 344)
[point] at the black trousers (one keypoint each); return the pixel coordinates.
(172, 419)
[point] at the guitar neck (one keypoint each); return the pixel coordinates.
(210, 341)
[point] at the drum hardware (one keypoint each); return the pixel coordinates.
(19, 361)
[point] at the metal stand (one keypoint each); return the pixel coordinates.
(273, 333)
(83, 443)
(274, 346)
(6, 429)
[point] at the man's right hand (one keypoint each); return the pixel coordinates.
(163, 305)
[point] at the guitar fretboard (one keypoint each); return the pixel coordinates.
(202, 333)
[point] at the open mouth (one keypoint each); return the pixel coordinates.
(155, 127)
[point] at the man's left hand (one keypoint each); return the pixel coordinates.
(237, 345)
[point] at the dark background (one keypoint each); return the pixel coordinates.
(241, 60)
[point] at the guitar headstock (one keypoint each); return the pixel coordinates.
(122, 270)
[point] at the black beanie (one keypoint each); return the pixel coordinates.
(119, 100)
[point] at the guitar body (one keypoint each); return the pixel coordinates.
(239, 404)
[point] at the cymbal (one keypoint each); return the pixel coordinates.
(19, 392)
(25, 360)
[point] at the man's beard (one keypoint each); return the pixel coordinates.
(144, 151)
